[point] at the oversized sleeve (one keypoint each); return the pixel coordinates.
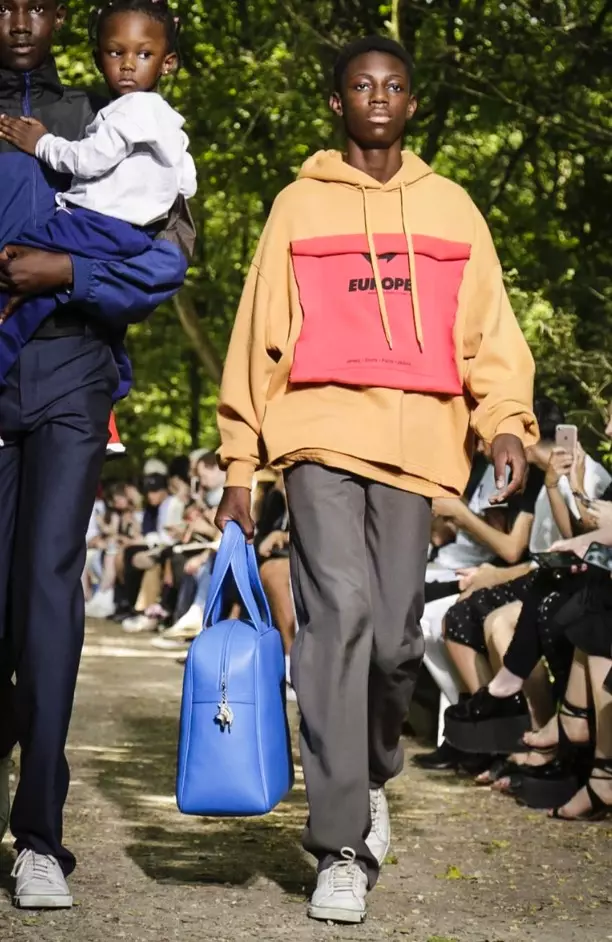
(499, 368)
(259, 336)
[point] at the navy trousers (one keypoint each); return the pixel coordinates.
(54, 412)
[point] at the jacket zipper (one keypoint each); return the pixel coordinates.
(26, 107)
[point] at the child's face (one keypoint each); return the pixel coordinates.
(133, 53)
(376, 101)
(27, 28)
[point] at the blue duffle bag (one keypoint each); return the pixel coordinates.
(234, 753)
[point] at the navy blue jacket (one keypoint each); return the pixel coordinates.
(114, 294)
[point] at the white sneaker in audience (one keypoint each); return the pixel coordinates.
(188, 626)
(40, 883)
(379, 838)
(139, 623)
(102, 605)
(5, 796)
(341, 891)
(169, 644)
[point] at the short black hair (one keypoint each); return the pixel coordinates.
(370, 44)
(155, 9)
(549, 414)
(179, 468)
(208, 459)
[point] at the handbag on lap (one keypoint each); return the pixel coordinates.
(234, 754)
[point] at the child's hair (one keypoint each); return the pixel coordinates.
(155, 9)
(370, 44)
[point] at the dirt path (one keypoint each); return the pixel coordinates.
(469, 866)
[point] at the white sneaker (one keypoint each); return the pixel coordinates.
(341, 891)
(139, 623)
(102, 605)
(169, 644)
(40, 883)
(379, 838)
(5, 796)
(188, 626)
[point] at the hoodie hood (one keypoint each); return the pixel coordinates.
(329, 166)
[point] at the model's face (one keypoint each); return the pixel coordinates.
(133, 53)
(27, 28)
(375, 102)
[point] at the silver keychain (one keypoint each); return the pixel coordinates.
(225, 716)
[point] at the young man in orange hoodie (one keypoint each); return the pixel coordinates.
(373, 340)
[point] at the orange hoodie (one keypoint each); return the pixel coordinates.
(374, 334)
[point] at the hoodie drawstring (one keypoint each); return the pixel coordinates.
(376, 270)
(416, 306)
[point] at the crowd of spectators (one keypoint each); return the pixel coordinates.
(151, 547)
(521, 650)
(511, 644)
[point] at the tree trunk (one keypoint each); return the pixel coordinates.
(191, 324)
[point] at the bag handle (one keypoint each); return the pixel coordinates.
(235, 554)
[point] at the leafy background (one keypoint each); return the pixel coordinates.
(515, 104)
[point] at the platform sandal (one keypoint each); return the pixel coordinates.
(553, 784)
(599, 808)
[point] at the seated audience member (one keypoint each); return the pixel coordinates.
(530, 613)
(272, 547)
(118, 525)
(505, 534)
(583, 599)
(186, 560)
(162, 516)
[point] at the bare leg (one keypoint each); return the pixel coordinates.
(275, 578)
(474, 669)
(580, 804)
(577, 694)
(499, 630)
(109, 572)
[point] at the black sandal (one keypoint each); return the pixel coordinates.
(599, 808)
(553, 784)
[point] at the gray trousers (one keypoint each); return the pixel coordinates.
(358, 557)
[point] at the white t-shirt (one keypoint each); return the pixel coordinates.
(132, 164)
(93, 529)
(465, 550)
(545, 531)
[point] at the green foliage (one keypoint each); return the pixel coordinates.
(515, 104)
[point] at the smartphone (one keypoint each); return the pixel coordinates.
(195, 487)
(599, 556)
(558, 560)
(566, 437)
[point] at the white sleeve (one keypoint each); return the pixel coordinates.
(189, 181)
(112, 142)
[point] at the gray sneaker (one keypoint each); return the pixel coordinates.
(40, 882)
(5, 797)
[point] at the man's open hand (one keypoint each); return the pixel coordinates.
(507, 452)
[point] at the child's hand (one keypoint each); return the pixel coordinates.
(15, 301)
(23, 133)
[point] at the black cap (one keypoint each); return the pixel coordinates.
(154, 482)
